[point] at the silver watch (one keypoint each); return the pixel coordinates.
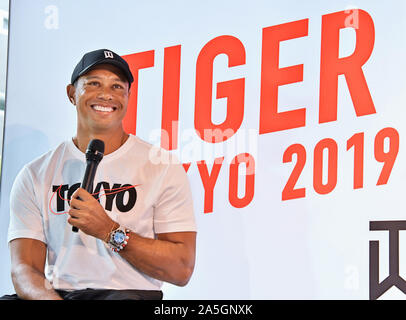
(119, 238)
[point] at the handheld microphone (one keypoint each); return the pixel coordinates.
(94, 154)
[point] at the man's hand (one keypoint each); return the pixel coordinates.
(88, 215)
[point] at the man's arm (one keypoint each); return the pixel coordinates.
(169, 258)
(27, 270)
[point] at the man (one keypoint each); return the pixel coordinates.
(136, 229)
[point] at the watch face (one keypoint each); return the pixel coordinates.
(119, 237)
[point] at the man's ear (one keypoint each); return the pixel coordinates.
(70, 91)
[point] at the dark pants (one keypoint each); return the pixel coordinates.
(102, 294)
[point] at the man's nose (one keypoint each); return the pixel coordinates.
(105, 93)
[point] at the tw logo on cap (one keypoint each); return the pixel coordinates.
(108, 54)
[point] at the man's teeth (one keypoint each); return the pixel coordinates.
(101, 108)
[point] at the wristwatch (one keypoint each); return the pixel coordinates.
(119, 239)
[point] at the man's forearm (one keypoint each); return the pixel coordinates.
(30, 284)
(164, 260)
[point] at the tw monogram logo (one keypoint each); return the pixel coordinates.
(108, 54)
(376, 288)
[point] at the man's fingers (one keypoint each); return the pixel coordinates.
(74, 219)
(74, 213)
(77, 203)
(82, 194)
(75, 223)
(81, 199)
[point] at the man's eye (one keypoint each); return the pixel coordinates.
(93, 83)
(117, 86)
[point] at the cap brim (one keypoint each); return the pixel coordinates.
(116, 63)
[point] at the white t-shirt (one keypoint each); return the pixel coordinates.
(137, 189)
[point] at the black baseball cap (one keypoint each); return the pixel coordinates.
(101, 56)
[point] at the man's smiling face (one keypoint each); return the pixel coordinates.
(101, 98)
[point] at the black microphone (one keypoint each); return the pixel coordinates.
(94, 154)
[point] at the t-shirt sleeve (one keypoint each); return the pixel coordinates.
(25, 214)
(174, 207)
